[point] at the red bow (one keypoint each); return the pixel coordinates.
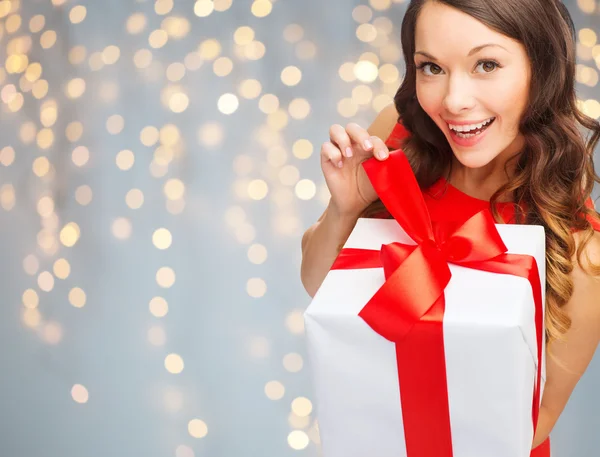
(411, 316)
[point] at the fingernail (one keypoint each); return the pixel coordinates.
(368, 144)
(348, 152)
(382, 154)
(340, 164)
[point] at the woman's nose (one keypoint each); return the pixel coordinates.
(459, 96)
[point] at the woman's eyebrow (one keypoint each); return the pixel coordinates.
(475, 50)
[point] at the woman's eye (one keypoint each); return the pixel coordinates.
(488, 66)
(433, 69)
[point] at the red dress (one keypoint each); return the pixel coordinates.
(447, 203)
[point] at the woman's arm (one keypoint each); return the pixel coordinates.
(571, 357)
(322, 242)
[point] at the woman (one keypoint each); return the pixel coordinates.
(488, 117)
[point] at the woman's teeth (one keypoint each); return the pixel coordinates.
(468, 131)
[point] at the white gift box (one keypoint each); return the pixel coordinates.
(490, 350)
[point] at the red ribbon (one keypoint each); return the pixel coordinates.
(408, 309)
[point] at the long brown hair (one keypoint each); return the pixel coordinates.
(554, 173)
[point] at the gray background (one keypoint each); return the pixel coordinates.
(232, 344)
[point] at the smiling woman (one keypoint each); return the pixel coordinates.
(487, 115)
(488, 109)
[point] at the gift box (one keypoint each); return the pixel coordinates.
(425, 340)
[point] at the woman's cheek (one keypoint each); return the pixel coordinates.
(428, 99)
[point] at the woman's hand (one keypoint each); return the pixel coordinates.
(341, 158)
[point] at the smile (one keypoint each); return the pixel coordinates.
(471, 130)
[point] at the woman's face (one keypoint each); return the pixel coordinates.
(468, 74)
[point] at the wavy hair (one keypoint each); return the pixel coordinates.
(554, 172)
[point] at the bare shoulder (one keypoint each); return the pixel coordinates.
(584, 305)
(591, 251)
(384, 123)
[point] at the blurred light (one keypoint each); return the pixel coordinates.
(302, 406)
(256, 287)
(75, 88)
(162, 238)
(174, 363)
(380, 5)
(83, 195)
(134, 198)
(77, 14)
(69, 235)
(203, 8)
(211, 134)
(80, 156)
(162, 7)
(209, 49)
(261, 8)
(257, 254)
(79, 393)
(77, 297)
(77, 55)
(268, 103)
(36, 23)
(250, 88)
(31, 264)
(158, 38)
(347, 107)
(305, 189)
(149, 135)
(294, 322)
(257, 189)
(293, 362)
(222, 5)
(293, 33)
(61, 268)
(121, 228)
(244, 35)
(298, 440)
(174, 189)
(32, 318)
(175, 71)
(142, 58)
(45, 281)
(222, 66)
(125, 159)
(31, 299)
(7, 156)
(157, 336)
(228, 103)
(184, 451)
(274, 390)
(136, 23)
(48, 39)
(362, 94)
(197, 428)
(74, 131)
(289, 175)
(159, 307)
(291, 75)
(366, 71)
(299, 108)
(111, 55)
(302, 149)
(306, 50)
(165, 277)
(7, 197)
(362, 14)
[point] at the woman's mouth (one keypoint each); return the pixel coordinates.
(469, 135)
(469, 131)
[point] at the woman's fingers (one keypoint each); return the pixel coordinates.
(359, 136)
(339, 137)
(329, 152)
(380, 150)
(372, 145)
